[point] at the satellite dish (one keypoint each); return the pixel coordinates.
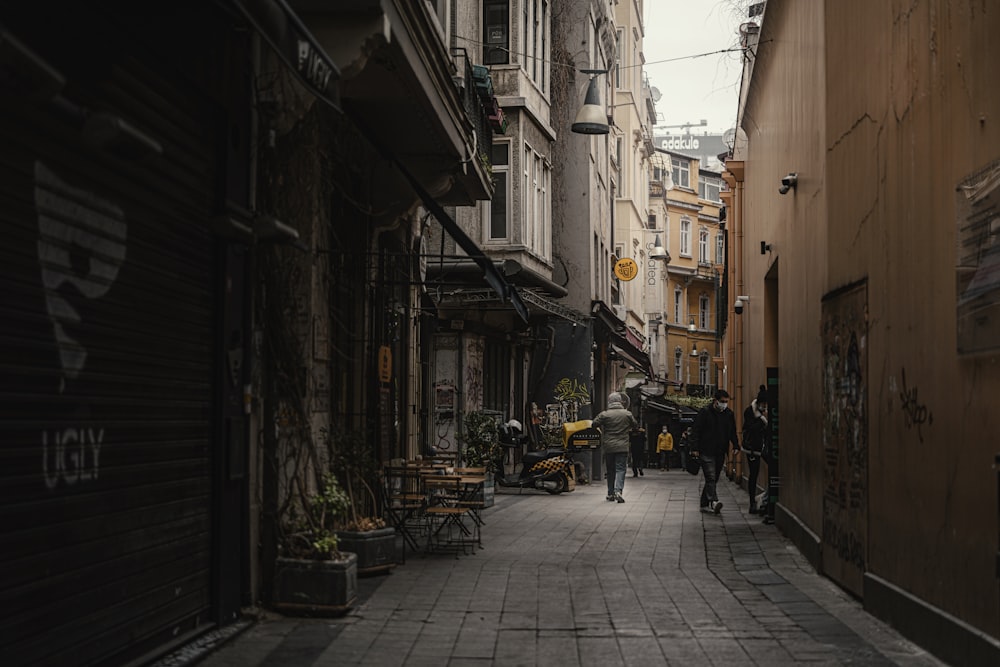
(655, 93)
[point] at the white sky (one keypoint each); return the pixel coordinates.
(694, 88)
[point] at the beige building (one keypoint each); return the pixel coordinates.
(693, 236)
(863, 229)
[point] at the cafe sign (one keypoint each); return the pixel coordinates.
(626, 268)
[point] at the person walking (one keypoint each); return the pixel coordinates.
(665, 448)
(755, 435)
(713, 430)
(615, 424)
(637, 450)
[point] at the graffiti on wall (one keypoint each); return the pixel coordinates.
(915, 413)
(845, 435)
(81, 248)
(474, 352)
(74, 456)
(569, 396)
(81, 244)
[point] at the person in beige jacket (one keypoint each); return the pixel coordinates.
(615, 424)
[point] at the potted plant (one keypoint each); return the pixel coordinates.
(360, 526)
(481, 437)
(312, 575)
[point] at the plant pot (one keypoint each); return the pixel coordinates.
(316, 587)
(375, 549)
(486, 495)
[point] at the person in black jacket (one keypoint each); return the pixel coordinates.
(755, 435)
(713, 430)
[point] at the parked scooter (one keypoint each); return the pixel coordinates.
(550, 470)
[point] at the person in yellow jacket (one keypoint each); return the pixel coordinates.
(665, 448)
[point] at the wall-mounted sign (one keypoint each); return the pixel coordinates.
(626, 268)
(384, 364)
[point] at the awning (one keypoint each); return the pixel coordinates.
(682, 412)
(619, 340)
(504, 289)
(630, 353)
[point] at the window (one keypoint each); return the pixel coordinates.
(525, 33)
(709, 187)
(677, 363)
(543, 54)
(651, 221)
(685, 237)
(720, 248)
(534, 41)
(498, 208)
(496, 27)
(703, 314)
(536, 204)
(677, 305)
(703, 370)
(682, 172)
(703, 246)
(618, 66)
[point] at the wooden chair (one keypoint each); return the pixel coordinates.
(405, 501)
(446, 529)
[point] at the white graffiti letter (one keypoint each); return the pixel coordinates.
(72, 221)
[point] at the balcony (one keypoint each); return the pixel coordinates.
(656, 189)
(398, 80)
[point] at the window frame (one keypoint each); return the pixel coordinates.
(702, 245)
(490, 46)
(508, 194)
(685, 237)
(679, 167)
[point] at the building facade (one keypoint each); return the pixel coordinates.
(862, 230)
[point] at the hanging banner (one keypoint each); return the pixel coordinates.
(384, 364)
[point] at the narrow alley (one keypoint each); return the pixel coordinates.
(572, 579)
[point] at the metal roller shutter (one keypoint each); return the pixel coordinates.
(106, 358)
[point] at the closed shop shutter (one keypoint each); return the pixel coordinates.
(106, 365)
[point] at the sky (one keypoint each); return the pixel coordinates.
(694, 88)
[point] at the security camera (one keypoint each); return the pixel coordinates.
(788, 182)
(740, 303)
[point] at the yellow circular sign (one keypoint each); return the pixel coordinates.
(626, 268)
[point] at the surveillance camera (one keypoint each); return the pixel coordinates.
(788, 182)
(738, 306)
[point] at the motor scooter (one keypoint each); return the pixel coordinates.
(551, 470)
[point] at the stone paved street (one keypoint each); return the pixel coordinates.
(576, 580)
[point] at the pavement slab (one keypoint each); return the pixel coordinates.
(575, 580)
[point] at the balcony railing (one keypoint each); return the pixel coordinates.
(474, 105)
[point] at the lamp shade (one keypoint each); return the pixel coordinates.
(694, 351)
(591, 118)
(658, 251)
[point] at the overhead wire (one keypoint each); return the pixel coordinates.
(574, 67)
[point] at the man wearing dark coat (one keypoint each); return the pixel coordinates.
(713, 430)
